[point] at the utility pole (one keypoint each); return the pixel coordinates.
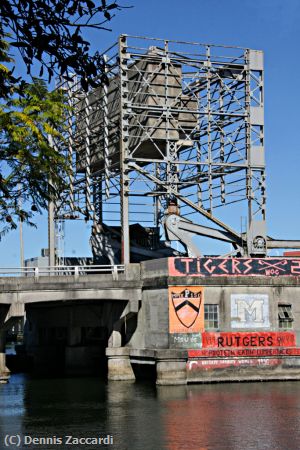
(51, 234)
(51, 223)
(21, 231)
(21, 244)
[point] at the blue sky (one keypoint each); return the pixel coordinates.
(269, 25)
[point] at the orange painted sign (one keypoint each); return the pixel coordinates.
(186, 309)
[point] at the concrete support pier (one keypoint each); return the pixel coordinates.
(119, 365)
(171, 367)
(168, 366)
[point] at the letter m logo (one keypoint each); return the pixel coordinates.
(249, 311)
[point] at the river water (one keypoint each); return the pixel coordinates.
(141, 416)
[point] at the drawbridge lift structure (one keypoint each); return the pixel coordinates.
(168, 147)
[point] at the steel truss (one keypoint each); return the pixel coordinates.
(179, 123)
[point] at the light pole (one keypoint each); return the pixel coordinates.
(21, 230)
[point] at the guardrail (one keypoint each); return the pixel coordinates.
(76, 271)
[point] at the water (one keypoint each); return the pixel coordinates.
(141, 416)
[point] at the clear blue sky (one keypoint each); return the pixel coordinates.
(270, 25)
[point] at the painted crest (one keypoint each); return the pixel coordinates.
(187, 306)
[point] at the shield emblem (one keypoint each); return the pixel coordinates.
(187, 306)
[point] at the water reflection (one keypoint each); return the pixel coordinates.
(235, 416)
(12, 407)
(141, 416)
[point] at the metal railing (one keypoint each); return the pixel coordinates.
(75, 271)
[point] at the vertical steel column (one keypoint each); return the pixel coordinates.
(88, 191)
(156, 199)
(171, 150)
(71, 142)
(98, 198)
(199, 171)
(199, 155)
(124, 177)
(222, 149)
(209, 118)
(166, 118)
(105, 134)
(248, 138)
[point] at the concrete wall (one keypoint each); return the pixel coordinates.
(153, 318)
(153, 321)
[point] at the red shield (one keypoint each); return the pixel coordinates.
(187, 306)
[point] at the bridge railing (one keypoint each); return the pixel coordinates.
(76, 271)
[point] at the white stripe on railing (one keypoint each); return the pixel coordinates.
(61, 270)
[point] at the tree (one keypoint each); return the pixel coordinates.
(50, 33)
(27, 160)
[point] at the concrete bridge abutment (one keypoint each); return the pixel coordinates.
(179, 321)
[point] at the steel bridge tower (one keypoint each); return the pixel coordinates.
(178, 129)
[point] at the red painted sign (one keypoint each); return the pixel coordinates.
(212, 267)
(244, 352)
(225, 350)
(249, 339)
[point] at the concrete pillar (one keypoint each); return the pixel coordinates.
(4, 371)
(115, 339)
(171, 367)
(119, 366)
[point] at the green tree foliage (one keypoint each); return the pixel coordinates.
(29, 114)
(48, 33)
(27, 161)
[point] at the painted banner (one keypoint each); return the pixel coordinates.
(244, 352)
(212, 267)
(186, 310)
(203, 364)
(251, 339)
(249, 349)
(250, 311)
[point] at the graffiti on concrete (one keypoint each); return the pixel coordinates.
(186, 311)
(225, 350)
(186, 316)
(250, 311)
(244, 352)
(270, 267)
(248, 339)
(210, 364)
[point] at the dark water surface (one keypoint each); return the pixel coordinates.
(142, 416)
